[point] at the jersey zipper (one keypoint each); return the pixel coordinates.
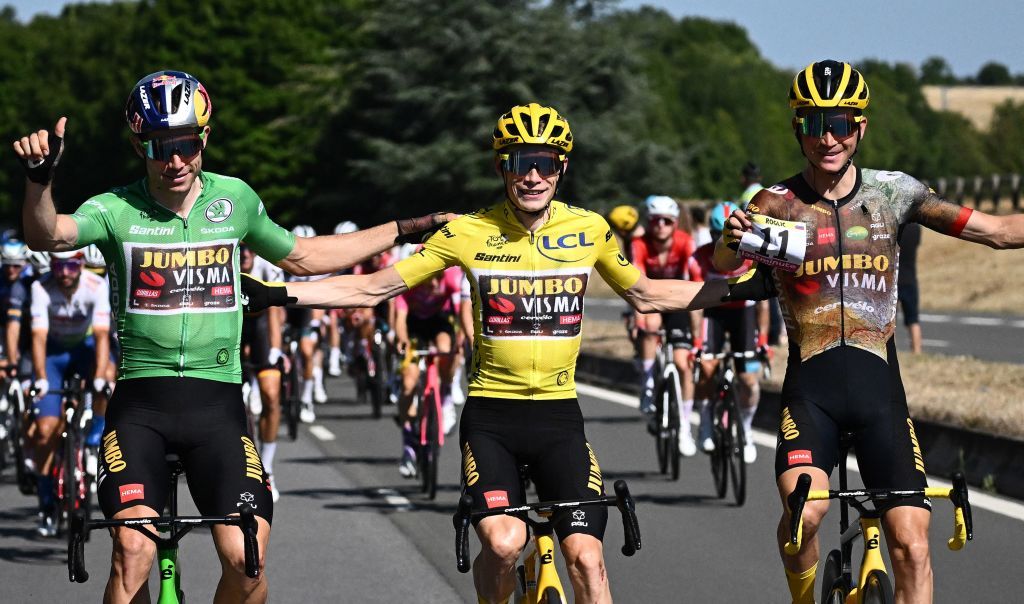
(534, 349)
(188, 287)
(842, 300)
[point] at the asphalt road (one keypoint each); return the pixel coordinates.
(984, 336)
(348, 528)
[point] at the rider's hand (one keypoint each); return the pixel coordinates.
(258, 296)
(99, 384)
(41, 386)
(274, 356)
(402, 345)
(697, 349)
(40, 151)
(735, 226)
(416, 230)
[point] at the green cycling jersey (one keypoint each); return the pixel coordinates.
(174, 280)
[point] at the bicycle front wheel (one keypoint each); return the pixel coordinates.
(878, 589)
(551, 596)
(737, 467)
(832, 571)
(673, 430)
(290, 400)
(720, 456)
(379, 390)
(661, 444)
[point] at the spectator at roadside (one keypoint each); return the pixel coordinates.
(906, 282)
(699, 219)
(750, 177)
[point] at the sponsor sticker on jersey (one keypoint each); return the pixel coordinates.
(176, 278)
(531, 304)
(800, 456)
(496, 499)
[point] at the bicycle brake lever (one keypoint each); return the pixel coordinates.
(461, 523)
(76, 548)
(796, 501)
(630, 524)
(249, 528)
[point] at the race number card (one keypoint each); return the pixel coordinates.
(775, 243)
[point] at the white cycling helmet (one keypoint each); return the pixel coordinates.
(303, 230)
(14, 252)
(345, 227)
(79, 253)
(661, 205)
(40, 261)
(94, 257)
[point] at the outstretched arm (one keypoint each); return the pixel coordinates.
(668, 295)
(997, 232)
(344, 291)
(331, 253)
(45, 229)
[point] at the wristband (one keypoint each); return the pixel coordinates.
(41, 171)
(762, 340)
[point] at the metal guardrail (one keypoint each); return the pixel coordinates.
(978, 191)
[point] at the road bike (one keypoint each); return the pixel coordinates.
(13, 423)
(290, 366)
(537, 580)
(369, 369)
(727, 433)
(428, 429)
(72, 472)
(872, 584)
(666, 424)
(167, 547)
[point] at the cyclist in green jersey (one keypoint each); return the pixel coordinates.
(529, 259)
(171, 242)
(840, 305)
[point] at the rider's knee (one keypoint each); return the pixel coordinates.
(233, 561)
(909, 548)
(588, 562)
(133, 549)
(504, 545)
(813, 514)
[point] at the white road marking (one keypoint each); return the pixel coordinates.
(935, 343)
(982, 321)
(321, 433)
(992, 503)
(1017, 324)
(394, 499)
(927, 318)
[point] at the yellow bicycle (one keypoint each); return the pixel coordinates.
(537, 579)
(872, 585)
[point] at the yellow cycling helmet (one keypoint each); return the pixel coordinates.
(623, 218)
(828, 84)
(533, 124)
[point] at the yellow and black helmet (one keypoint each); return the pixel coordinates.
(829, 84)
(623, 218)
(533, 124)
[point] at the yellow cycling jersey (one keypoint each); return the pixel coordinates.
(528, 293)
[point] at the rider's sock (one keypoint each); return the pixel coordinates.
(705, 417)
(307, 390)
(267, 451)
(318, 375)
(335, 355)
(44, 488)
(747, 415)
(687, 410)
(801, 585)
(648, 373)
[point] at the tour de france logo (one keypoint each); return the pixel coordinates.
(219, 210)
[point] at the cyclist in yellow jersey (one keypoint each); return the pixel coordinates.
(529, 260)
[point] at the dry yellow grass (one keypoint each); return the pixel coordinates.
(976, 103)
(960, 276)
(959, 390)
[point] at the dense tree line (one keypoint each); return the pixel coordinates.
(366, 109)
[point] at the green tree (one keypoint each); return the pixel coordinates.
(936, 71)
(994, 74)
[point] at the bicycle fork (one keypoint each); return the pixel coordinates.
(170, 577)
(870, 527)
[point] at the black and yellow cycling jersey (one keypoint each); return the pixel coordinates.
(528, 290)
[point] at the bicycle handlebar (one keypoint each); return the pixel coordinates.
(80, 526)
(622, 500)
(963, 521)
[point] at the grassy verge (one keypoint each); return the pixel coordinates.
(957, 390)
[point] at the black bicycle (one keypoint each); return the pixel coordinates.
(290, 365)
(167, 547)
(13, 423)
(370, 369)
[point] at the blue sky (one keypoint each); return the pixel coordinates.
(791, 34)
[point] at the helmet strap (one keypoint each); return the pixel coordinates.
(838, 174)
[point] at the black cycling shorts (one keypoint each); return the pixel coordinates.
(256, 334)
(678, 328)
(203, 422)
(909, 299)
(498, 435)
(846, 389)
(739, 323)
(425, 331)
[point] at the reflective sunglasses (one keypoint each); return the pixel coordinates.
(842, 124)
(66, 266)
(520, 163)
(661, 220)
(165, 147)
